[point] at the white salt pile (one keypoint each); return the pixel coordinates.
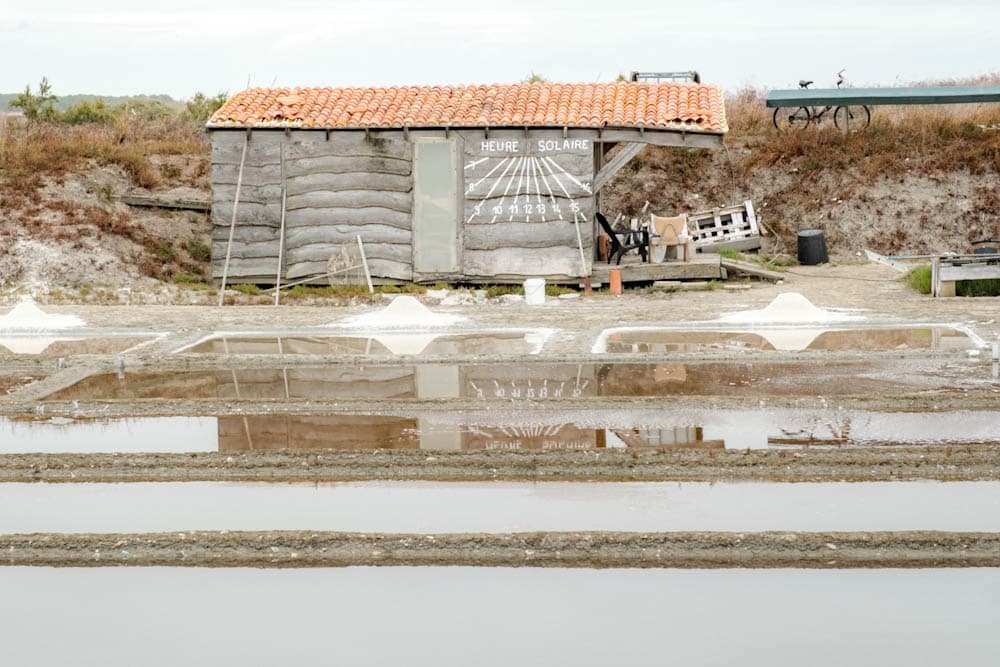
(788, 308)
(405, 312)
(26, 316)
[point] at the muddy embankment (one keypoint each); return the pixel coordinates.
(837, 550)
(967, 462)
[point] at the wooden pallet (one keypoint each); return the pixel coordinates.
(949, 269)
(728, 226)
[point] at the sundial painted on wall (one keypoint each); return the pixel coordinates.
(528, 181)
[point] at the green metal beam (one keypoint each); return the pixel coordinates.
(883, 96)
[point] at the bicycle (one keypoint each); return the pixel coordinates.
(845, 118)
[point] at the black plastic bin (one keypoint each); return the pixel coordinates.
(812, 247)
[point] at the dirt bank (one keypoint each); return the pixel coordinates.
(945, 463)
(923, 549)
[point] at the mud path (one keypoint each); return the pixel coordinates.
(944, 463)
(838, 550)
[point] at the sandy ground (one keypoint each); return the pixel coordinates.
(923, 549)
(872, 289)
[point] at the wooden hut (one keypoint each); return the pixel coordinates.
(461, 183)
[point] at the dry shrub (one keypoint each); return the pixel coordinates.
(42, 149)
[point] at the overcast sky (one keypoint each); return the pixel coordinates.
(116, 47)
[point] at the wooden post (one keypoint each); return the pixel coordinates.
(364, 263)
(579, 243)
(616, 282)
(232, 224)
(281, 234)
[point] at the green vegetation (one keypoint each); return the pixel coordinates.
(558, 290)
(44, 106)
(493, 291)
(189, 278)
(989, 287)
(37, 106)
(247, 288)
(919, 278)
(200, 252)
(201, 107)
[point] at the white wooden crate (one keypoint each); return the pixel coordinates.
(727, 224)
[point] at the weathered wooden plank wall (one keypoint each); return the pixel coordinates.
(524, 194)
(338, 188)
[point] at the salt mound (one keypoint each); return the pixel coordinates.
(27, 316)
(788, 308)
(403, 312)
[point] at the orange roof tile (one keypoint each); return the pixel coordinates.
(690, 107)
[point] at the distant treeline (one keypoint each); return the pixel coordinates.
(66, 101)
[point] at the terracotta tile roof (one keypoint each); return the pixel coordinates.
(675, 106)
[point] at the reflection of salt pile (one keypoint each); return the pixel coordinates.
(26, 318)
(402, 344)
(405, 312)
(789, 308)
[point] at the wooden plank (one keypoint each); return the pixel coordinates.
(226, 174)
(624, 155)
(397, 201)
(705, 267)
(527, 262)
(746, 268)
(336, 164)
(969, 272)
(340, 233)
(202, 205)
(321, 252)
(380, 268)
(522, 235)
(318, 182)
(750, 243)
(369, 215)
(349, 145)
(884, 96)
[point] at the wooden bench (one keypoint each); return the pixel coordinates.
(947, 270)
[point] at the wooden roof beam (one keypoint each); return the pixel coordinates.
(622, 158)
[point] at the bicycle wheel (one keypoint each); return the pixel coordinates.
(791, 118)
(852, 117)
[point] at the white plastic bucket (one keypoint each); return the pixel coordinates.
(534, 291)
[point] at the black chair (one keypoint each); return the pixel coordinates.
(623, 242)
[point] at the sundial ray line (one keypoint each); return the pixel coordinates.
(527, 196)
(545, 180)
(536, 169)
(517, 190)
(555, 178)
(490, 172)
(570, 176)
(519, 162)
(472, 165)
(482, 202)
